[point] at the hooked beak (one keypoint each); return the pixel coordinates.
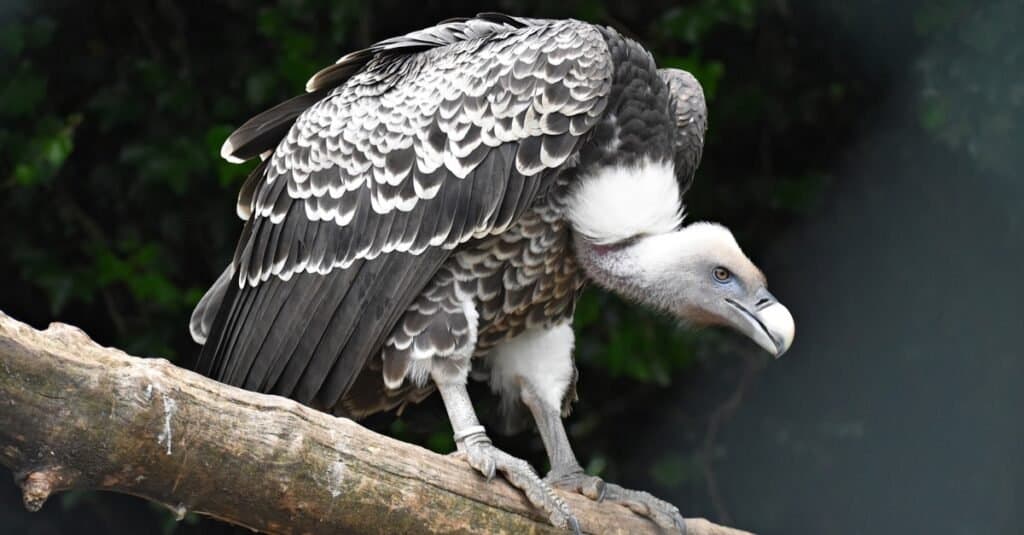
(767, 322)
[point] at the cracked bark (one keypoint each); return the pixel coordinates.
(75, 415)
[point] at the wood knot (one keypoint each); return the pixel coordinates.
(38, 485)
(67, 333)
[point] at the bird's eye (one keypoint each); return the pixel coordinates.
(721, 274)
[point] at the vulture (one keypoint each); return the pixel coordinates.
(434, 204)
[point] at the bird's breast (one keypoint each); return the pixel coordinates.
(524, 277)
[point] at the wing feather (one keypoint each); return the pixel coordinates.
(417, 145)
(256, 332)
(201, 322)
(262, 132)
(297, 316)
(335, 287)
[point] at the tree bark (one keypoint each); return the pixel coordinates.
(75, 415)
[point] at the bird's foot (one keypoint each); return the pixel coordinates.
(487, 459)
(642, 503)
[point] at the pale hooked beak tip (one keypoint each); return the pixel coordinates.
(780, 326)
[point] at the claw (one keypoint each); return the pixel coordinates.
(680, 523)
(662, 513)
(488, 460)
(491, 471)
(575, 526)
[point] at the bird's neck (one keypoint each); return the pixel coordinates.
(615, 203)
(626, 223)
(651, 269)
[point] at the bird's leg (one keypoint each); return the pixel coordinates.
(536, 368)
(566, 472)
(552, 432)
(473, 443)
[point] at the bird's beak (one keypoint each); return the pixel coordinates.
(767, 322)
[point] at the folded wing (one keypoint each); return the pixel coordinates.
(437, 137)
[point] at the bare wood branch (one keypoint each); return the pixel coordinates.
(75, 415)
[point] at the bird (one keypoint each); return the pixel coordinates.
(432, 206)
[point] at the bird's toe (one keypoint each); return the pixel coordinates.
(579, 482)
(487, 460)
(480, 459)
(664, 514)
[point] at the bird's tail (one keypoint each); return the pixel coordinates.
(206, 310)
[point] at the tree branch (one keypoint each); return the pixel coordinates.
(74, 415)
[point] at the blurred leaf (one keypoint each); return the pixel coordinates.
(587, 310)
(692, 23)
(939, 16)
(799, 194)
(441, 442)
(596, 465)
(39, 32)
(192, 296)
(21, 95)
(44, 154)
(671, 471)
(260, 87)
(25, 174)
(12, 39)
(933, 114)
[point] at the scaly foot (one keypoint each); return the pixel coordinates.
(487, 459)
(642, 503)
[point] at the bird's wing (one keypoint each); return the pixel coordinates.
(376, 183)
(263, 132)
(691, 117)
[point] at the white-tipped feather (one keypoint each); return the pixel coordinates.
(422, 363)
(617, 203)
(227, 152)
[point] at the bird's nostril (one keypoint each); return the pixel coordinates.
(764, 301)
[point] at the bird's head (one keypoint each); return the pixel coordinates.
(627, 213)
(698, 274)
(629, 238)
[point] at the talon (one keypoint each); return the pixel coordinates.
(575, 526)
(490, 469)
(662, 513)
(680, 523)
(488, 460)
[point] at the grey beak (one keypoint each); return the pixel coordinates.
(766, 321)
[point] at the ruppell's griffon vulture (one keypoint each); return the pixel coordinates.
(435, 203)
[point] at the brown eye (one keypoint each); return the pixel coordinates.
(722, 274)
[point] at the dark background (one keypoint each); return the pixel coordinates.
(865, 153)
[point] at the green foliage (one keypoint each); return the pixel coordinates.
(972, 98)
(800, 194)
(674, 470)
(692, 24)
(625, 342)
(132, 205)
(37, 153)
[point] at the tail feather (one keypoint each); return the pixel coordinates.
(204, 313)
